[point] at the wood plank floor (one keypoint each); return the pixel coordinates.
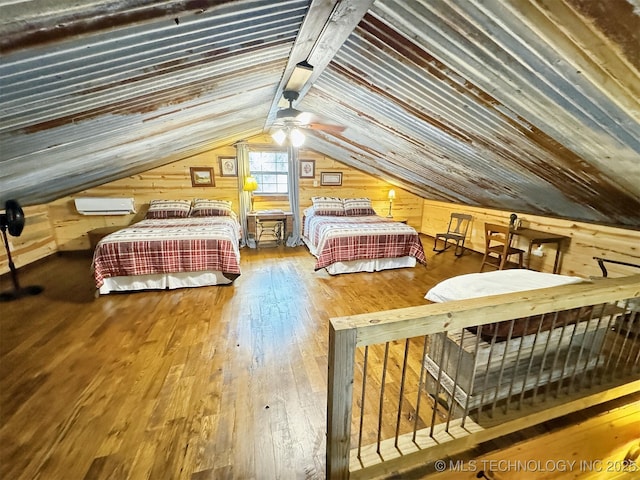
(593, 447)
(213, 382)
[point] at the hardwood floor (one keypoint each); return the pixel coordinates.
(213, 382)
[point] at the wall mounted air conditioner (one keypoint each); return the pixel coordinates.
(104, 206)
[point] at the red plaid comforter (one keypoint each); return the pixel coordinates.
(339, 239)
(168, 246)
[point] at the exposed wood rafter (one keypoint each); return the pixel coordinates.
(324, 30)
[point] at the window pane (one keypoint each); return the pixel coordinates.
(270, 169)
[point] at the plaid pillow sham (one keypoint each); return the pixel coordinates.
(358, 207)
(328, 206)
(211, 208)
(168, 209)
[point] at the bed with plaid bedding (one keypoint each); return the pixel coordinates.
(173, 245)
(334, 239)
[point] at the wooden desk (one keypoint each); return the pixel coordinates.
(536, 237)
(269, 215)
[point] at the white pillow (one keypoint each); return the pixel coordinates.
(474, 285)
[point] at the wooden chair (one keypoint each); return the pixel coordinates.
(456, 232)
(498, 242)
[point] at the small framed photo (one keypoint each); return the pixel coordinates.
(228, 166)
(331, 178)
(307, 168)
(202, 177)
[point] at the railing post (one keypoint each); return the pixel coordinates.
(342, 347)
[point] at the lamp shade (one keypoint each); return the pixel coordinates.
(392, 194)
(250, 184)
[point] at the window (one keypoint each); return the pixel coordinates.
(271, 170)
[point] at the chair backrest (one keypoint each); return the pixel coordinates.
(497, 235)
(459, 224)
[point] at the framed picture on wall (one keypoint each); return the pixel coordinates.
(228, 166)
(202, 177)
(331, 178)
(307, 168)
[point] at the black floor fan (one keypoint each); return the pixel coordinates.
(13, 221)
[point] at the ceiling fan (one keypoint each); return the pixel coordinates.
(289, 121)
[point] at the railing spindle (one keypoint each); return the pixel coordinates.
(467, 403)
(556, 356)
(423, 372)
(485, 384)
(382, 385)
(362, 398)
(592, 351)
(507, 344)
(436, 395)
(401, 396)
(517, 363)
(452, 403)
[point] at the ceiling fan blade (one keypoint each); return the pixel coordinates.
(326, 127)
(305, 118)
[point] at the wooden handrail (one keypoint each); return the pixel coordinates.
(389, 325)
(350, 332)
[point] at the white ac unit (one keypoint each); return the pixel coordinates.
(104, 206)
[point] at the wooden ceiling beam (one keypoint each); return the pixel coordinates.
(325, 28)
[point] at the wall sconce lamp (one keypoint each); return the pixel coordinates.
(392, 195)
(293, 134)
(250, 185)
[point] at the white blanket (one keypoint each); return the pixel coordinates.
(475, 285)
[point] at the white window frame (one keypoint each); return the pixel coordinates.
(261, 175)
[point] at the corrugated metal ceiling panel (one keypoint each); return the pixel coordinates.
(531, 106)
(471, 102)
(126, 100)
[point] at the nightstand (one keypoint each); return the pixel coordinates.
(267, 216)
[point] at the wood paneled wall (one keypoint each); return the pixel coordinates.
(58, 227)
(586, 240)
(356, 183)
(173, 181)
(36, 241)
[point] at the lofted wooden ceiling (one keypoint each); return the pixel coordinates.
(524, 105)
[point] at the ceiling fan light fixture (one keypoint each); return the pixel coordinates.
(297, 137)
(279, 136)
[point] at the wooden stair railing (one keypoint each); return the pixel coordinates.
(411, 385)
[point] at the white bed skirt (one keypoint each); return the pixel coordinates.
(353, 266)
(163, 281)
